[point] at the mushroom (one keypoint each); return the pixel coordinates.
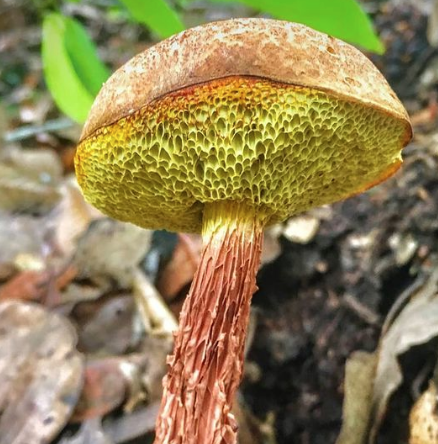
(225, 129)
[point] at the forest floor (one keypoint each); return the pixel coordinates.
(359, 275)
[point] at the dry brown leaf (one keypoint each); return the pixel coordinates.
(28, 285)
(76, 292)
(155, 349)
(358, 393)
(109, 382)
(156, 316)
(423, 420)
(74, 216)
(40, 373)
(40, 164)
(106, 326)
(110, 251)
(179, 271)
(416, 324)
(7, 270)
(371, 379)
(37, 285)
(428, 115)
(20, 234)
(104, 389)
(29, 180)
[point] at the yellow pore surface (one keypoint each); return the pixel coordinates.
(277, 147)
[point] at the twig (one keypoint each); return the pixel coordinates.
(24, 132)
(361, 310)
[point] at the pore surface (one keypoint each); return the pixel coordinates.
(279, 147)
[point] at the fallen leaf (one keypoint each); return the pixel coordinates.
(7, 270)
(40, 164)
(74, 216)
(133, 372)
(37, 285)
(75, 293)
(104, 389)
(156, 316)
(29, 180)
(179, 271)
(155, 349)
(21, 234)
(358, 393)
(106, 326)
(40, 373)
(423, 420)
(28, 285)
(426, 117)
(417, 323)
(109, 382)
(110, 251)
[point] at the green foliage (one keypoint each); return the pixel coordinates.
(74, 72)
(343, 19)
(83, 55)
(72, 69)
(156, 15)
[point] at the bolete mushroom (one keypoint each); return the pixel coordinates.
(225, 129)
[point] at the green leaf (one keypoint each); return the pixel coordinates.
(156, 15)
(83, 54)
(72, 70)
(340, 18)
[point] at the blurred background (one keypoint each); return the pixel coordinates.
(343, 336)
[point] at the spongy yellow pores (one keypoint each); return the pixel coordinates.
(277, 147)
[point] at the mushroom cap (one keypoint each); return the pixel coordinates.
(264, 112)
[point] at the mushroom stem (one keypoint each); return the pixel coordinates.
(206, 366)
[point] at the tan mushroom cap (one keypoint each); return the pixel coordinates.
(266, 112)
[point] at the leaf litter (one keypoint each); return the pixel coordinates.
(373, 378)
(329, 279)
(41, 373)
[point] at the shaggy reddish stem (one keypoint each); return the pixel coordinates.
(206, 367)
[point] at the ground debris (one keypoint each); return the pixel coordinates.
(41, 373)
(329, 279)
